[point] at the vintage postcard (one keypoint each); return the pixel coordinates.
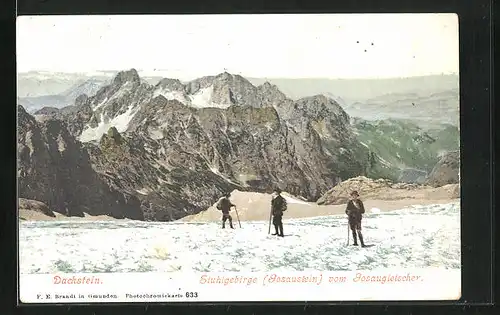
(206, 158)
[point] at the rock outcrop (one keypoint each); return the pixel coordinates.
(446, 171)
(53, 168)
(35, 206)
(382, 189)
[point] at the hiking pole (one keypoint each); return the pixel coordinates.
(270, 217)
(237, 216)
(348, 233)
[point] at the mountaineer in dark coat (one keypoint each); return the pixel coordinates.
(355, 210)
(225, 205)
(278, 206)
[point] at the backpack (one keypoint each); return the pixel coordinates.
(280, 204)
(283, 204)
(223, 203)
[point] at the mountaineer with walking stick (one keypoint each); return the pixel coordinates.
(355, 210)
(225, 205)
(278, 206)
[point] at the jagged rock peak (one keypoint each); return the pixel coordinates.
(24, 119)
(267, 85)
(127, 76)
(20, 109)
(225, 76)
(113, 132)
(321, 104)
(173, 84)
(112, 136)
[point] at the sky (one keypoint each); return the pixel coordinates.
(265, 46)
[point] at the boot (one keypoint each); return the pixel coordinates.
(281, 230)
(361, 239)
(231, 225)
(275, 229)
(355, 239)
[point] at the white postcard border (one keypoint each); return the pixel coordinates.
(379, 285)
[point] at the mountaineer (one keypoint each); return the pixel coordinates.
(225, 205)
(278, 206)
(355, 210)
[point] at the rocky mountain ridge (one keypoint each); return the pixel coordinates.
(169, 150)
(176, 159)
(383, 189)
(116, 104)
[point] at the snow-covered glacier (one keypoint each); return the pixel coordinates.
(414, 237)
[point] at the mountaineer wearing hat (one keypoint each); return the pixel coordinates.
(354, 211)
(225, 205)
(278, 206)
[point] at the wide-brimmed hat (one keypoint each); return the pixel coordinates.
(277, 190)
(354, 193)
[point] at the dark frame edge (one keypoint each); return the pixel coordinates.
(476, 77)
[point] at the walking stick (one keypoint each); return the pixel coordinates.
(348, 238)
(237, 216)
(270, 217)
